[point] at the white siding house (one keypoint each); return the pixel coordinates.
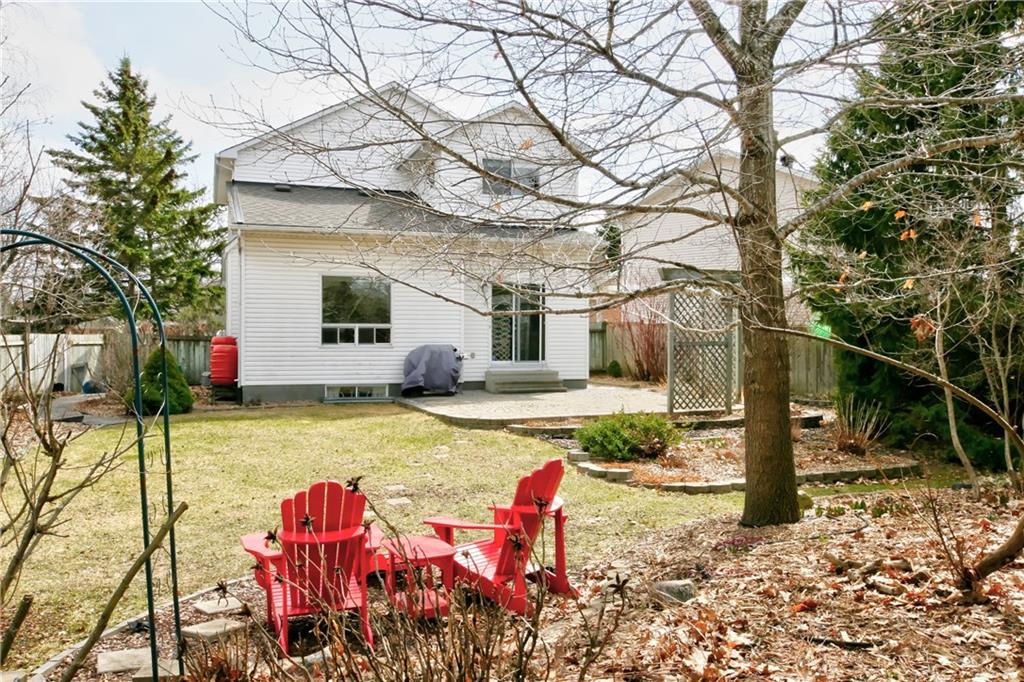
(330, 282)
(660, 243)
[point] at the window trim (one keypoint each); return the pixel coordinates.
(355, 326)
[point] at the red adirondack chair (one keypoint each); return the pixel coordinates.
(499, 566)
(323, 560)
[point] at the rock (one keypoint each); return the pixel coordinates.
(804, 500)
(121, 661)
(898, 565)
(620, 475)
(673, 592)
(578, 455)
(213, 607)
(166, 670)
(398, 501)
(961, 485)
(591, 469)
(213, 630)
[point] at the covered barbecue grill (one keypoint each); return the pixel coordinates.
(433, 369)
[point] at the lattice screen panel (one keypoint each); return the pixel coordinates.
(701, 352)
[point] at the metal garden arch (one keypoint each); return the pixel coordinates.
(24, 238)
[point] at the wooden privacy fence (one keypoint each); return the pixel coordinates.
(811, 373)
(68, 359)
(193, 355)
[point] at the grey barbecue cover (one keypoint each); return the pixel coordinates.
(434, 368)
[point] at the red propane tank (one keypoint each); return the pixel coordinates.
(223, 361)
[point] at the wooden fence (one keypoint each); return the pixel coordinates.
(68, 359)
(193, 355)
(811, 373)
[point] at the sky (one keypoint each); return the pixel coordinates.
(63, 51)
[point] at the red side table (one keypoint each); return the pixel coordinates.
(409, 552)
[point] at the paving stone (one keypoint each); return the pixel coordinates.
(619, 475)
(591, 469)
(720, 486)
(698, 488)
(398, 488)
(213, 630)
(673, 487)
(673, 592)
(578, 456)
(121, 661)
(737, 484)
(814, 476)
(854, 474)
(833, 476)
(801, 479)
(398, 501)
(166, 670)
(212, 607)
(13, 675)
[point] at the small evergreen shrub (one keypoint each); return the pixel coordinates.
(628, 436)
(614, 369)
(179, 398)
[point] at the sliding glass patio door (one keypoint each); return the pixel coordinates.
(517, 338)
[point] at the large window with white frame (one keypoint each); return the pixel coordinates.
(521, 172)
(355, 311)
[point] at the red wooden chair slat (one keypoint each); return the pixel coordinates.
(498, 567)
(323, 560)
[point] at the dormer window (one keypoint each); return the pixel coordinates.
(525, 174)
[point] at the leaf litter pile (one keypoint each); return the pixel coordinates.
(858, 590)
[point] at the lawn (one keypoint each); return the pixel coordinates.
(234, 467)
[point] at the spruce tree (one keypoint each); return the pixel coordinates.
(127, 168)
(861, 262)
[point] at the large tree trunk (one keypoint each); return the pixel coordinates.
(771, 495)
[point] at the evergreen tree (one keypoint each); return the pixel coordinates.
(870, 265)
(126, 167)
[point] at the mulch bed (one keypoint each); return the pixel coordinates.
(719, 455)
(771, 604)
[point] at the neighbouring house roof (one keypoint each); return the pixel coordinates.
(328, 209)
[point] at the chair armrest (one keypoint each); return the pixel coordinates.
(448, 522)
(256, 544)
(445, 527)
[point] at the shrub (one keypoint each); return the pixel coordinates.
(858, 425)
(628, 436)
(614, 369)
(179, 398)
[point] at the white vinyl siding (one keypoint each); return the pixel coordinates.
(280, 334)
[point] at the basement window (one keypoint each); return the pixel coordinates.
(361, 392)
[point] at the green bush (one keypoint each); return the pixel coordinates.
(628, 436)
(614, 369)
(179, 397)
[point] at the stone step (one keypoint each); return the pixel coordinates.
(213, 630)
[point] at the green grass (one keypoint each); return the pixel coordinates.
(233, 468)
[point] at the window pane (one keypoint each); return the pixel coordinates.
(328, 335)
(382, 335)
(365, 335)
(356, 300)
(346, 335)
(502, 167)
(528, 176)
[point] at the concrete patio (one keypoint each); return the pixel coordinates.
(482, 409)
